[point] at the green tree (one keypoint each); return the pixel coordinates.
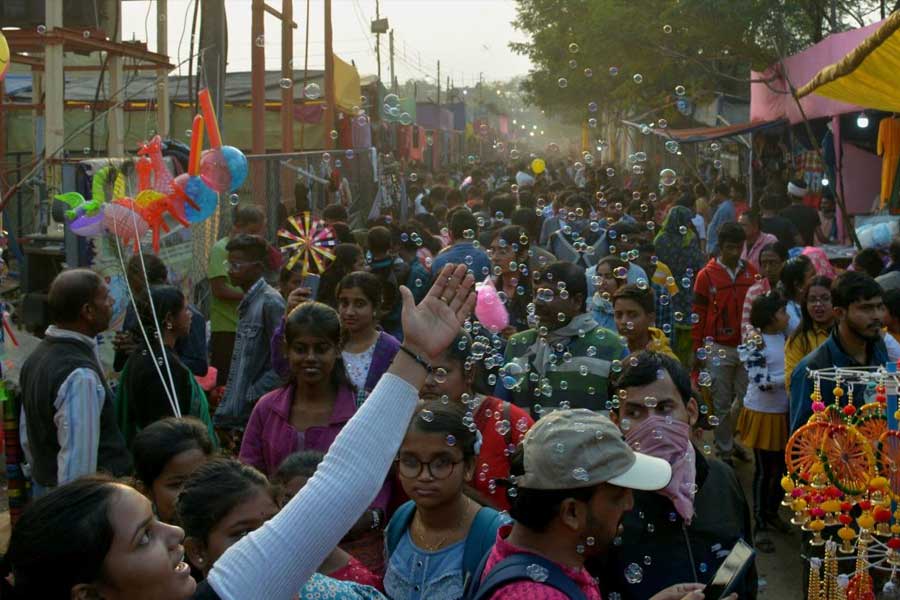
(704, 46)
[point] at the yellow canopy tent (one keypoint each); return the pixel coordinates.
(867, 76)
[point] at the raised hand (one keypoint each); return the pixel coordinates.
(431, 327)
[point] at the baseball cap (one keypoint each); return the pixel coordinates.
(579, 448)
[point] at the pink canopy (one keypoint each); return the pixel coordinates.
(772, 104)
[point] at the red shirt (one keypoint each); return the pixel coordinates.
(719, 302)
(494, 416)
(357, 572)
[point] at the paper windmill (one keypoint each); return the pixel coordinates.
(310, 242)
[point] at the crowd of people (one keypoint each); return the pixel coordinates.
(358, 432)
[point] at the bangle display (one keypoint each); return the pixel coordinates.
(421, 361)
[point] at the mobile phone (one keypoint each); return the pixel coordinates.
(730, 572)
(311, 281)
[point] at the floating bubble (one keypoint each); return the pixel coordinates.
(668, 177)
(562, 82)
(312, 91)
(260, 41)
(672, 146)
(633, 573)
(85, 34)
(715, 147)
(680, 90)
(427, 416)
(573, 48)
(440, 375)
(667, 29)
(514, 154)
(580, 474)
(234, 199)
(573, 63)
(592, 106)
(536, 572)
(717, 164)
(334, 134)
(413, 177)
(662, 123)
(588, 72)
(614, 71)
(406, 119)
(285, 83)
(638, 78)
(42, 29)
(610, 172)
(592, 122)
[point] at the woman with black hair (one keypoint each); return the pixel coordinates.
(509, 255)
(145, 383)
(796, 274)
(223, 501)
(100, 539)
(309, 412)
(347, 259)
(815, 324)
(165, 454)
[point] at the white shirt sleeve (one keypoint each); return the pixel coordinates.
(78, 404)
(276, 560)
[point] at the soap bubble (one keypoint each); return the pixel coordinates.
(667, 29)
(588, 72)
(633, 573)
(512, 375)
(580, 474)
(413, 177)
(573, 63)
(427, 416)
(440, 375)
(667, 177)
(672, 146)
(285, 83)
(42, 29)
(234, 199)
(537, 572)
(260, 41)
(562, 82)
(680, 90)
(638, 78)
(312, 91)
(613, 71)
(592, 106)
(662, 123)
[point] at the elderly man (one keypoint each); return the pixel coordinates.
(68, 421)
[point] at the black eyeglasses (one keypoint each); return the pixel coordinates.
(411, 467)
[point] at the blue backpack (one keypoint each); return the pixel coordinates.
(481, 538)
(520, 567)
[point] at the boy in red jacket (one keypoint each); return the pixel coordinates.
(719, 293)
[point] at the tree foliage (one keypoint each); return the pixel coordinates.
(707, 46)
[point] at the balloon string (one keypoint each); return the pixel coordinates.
(172, 404)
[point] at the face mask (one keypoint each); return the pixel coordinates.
(669, 440)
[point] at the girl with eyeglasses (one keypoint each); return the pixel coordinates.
(436, 540)
(815, 324)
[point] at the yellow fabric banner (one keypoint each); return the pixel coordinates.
(346, 85)
(867, 76)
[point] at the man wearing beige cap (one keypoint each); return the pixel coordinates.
(573, 479)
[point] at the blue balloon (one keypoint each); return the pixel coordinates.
(237, 165)
(205, 198)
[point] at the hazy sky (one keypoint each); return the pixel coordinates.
(467, 36)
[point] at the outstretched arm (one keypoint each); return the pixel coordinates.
(275, 560)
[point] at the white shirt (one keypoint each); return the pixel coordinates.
(700, 225)
(775, 398)
(523, 179)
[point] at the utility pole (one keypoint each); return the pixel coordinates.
(378, 43)
(439, 84)
(329, 78)
(393, 79)
(258, 100)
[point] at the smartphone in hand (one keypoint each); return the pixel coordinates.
(312, 281)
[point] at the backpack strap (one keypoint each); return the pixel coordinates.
(481, 538)
(397, 525)
(520, 567)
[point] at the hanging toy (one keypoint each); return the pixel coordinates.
(162, 179)
(121, 219)
(200, 202)
(489, 309)
(310, 243)
(222, 168)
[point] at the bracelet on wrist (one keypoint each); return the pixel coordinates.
(418, 359)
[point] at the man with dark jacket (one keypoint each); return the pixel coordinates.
(684, 531)
(68, 421)
(856, 341)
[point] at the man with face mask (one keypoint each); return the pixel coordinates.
(565, 360)
(574, 480)
(856, 341)
(687, 528)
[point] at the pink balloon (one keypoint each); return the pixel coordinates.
(214, 170)
(489, 309)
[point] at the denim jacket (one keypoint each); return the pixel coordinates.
(251, 374)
